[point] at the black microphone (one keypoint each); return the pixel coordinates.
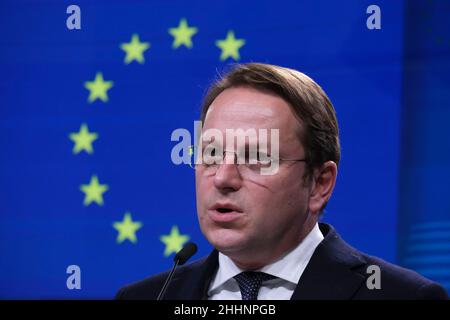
(180, 258)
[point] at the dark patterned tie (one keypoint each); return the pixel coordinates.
(250, 283)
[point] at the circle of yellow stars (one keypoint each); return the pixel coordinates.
(99, 87)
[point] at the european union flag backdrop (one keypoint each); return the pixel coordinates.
(86, 118)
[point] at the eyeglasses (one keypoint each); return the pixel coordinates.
(248, 164)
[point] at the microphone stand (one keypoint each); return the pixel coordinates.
(164, 288)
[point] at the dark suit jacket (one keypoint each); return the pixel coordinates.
(335, 271)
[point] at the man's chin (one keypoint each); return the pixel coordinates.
(227, 241)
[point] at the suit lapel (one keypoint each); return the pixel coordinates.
(331, 273)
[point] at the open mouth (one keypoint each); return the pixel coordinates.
(224, 210)
(225, 213)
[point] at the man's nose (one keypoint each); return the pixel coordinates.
(227, 177)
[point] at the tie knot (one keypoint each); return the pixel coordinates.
(250, 283)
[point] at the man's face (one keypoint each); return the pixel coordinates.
(268, 211)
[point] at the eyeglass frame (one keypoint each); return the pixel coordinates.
(235, 157)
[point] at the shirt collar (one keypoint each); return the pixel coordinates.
(290, 267)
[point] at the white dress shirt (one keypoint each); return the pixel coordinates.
(287, 269)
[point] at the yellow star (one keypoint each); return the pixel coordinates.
(94, 191)
(182, 34)
(230, 46)
(98, 88)
(174, 241)
(135, 49)
(83, 139)
(127, 229)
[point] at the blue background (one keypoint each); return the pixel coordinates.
(390, 88)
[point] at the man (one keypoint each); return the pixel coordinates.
(264, 227)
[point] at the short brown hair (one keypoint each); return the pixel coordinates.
(309, 102)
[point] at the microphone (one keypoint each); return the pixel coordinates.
(180, 258)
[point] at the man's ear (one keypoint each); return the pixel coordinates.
(322, 185)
